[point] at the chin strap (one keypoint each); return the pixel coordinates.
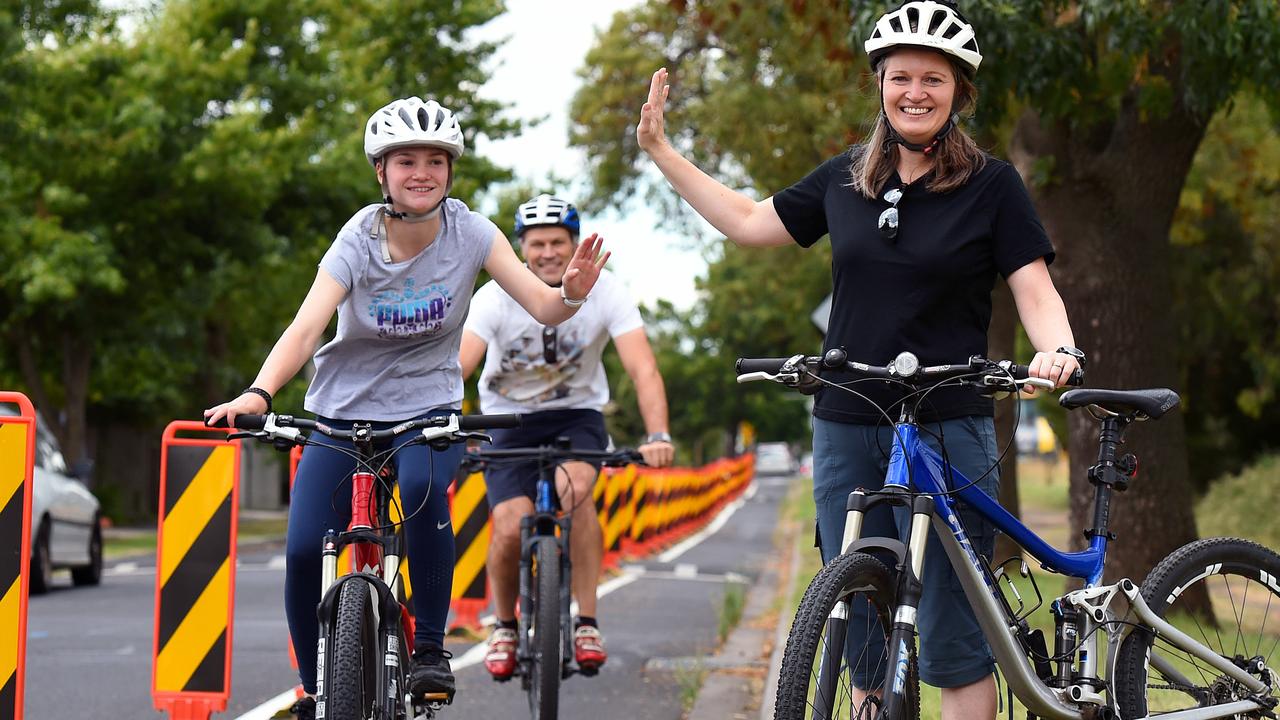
(391, 212)
(928, 149)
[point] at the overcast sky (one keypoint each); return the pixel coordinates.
(535, 71)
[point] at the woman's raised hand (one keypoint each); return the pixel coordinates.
(584, 268)
(651, 132)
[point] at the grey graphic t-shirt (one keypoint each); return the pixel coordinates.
(395, 355)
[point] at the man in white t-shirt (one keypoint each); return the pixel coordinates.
(553, 376)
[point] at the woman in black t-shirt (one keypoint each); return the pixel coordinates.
(920, 221)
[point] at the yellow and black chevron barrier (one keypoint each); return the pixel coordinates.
(470, 516)
(195, 572)
(17, 452)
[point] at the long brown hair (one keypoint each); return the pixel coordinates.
(955, 160)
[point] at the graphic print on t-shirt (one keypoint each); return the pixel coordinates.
(410, 312)
(525, 373)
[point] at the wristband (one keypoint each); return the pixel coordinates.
(569, 301)
(260, 393)
(657, 437)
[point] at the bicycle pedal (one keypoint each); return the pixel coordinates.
(589, 670)
(434, 701)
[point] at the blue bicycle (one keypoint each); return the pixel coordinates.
(1194, 641)
(544, 638)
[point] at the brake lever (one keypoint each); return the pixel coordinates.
(474, 435)
(256, 434)
(790, 379)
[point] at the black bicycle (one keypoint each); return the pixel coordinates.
(366, 639)
(544, 636)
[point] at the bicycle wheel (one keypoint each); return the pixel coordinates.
(353, 656)
(544, 640)
(1240, 579)
(820, 676)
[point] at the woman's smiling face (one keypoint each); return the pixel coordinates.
(918, 89)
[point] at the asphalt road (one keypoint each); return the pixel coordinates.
(89, 649)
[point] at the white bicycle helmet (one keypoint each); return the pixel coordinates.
(926, 24)
(409, 122)
(547, 210)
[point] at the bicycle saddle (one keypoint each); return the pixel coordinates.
(1151, 403)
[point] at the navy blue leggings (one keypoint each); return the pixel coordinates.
(322, 502)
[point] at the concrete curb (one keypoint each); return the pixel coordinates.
(739, 677)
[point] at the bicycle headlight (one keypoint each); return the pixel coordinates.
(906, 364)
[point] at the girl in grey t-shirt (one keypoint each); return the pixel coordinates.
(399, 275)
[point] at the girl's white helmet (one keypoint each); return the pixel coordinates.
(410, 122)
(926, 24)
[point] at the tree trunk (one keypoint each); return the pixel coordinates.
(1000, 346)
(1108, 207)
(77, 360)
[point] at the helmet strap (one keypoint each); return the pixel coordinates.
(894, 138)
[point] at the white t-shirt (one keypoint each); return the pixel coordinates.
(517, 376)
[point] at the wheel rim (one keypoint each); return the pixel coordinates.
(1244, 625)
(860, 669)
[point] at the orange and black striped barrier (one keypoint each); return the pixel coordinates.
(469, 513)
(17, 454)
(195, 571)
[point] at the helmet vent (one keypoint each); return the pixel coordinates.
(913, 18)
(405, 116)
(424, 120)
(935, 22)
(952, 30)
(895, 24)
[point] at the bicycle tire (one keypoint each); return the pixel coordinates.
(861, 578)
(1231, 571)
(546, 661)
(353, 656)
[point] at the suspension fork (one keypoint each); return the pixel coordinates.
(902, 637)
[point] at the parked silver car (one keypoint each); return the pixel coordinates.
(66, 519)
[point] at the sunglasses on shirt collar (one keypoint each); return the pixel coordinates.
(549, 344)
(888, 221)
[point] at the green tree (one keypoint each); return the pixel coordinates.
(732, 69)
(169, 191)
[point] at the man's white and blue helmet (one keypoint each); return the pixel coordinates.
(547, 210)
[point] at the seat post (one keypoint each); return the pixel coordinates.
(1107, 475)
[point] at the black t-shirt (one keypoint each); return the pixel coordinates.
(928, 291)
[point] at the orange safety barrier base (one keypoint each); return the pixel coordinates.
(190, 706)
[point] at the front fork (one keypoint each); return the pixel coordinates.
(534, 528)
(903, 631)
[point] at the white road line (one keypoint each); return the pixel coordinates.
(630, 573)
(269, 708)
(694, 540)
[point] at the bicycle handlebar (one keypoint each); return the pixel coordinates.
(452, 427)
(621, 456)
(905, 367)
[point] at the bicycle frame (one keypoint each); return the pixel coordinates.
(376, 557)
(543, 523)
(914, 464)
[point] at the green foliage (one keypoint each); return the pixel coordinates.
(1226, 242)
(757, 113)
(1232, 505)
(165, 194)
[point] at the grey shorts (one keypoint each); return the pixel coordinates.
(953, 652)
